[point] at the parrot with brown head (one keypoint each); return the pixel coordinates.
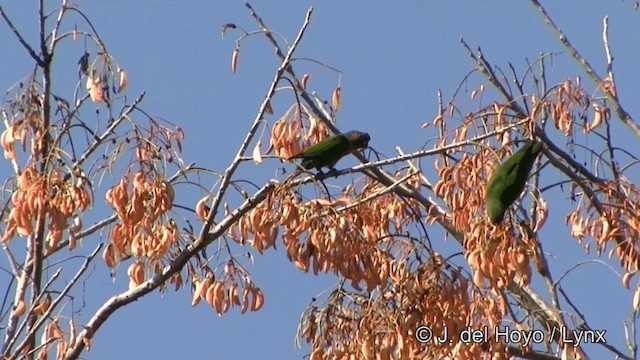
(329, 151)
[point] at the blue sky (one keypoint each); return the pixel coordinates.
(394, 57)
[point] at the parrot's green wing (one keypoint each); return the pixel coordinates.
(327, 152)
(509, 180)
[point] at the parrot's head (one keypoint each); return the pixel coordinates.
(357, 139)
(496, 210)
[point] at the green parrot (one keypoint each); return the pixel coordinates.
(509, 180)
(327, 152)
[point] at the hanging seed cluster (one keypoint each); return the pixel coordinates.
(26, 126)
(351, 325)
(568, 99)
(104, 77)
(341, 236)
(51, 196)
(617, 225)
(234, 288)
(295, 131)
(141, 202)
(609, 216)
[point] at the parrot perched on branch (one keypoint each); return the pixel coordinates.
(327, 152)
(509, 180)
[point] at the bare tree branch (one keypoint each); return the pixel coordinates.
(24, 43)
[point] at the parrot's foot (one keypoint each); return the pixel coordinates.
(333, 172)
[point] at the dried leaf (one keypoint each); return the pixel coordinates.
(335, 98)
(320, 202)
(343, 201)
(19, 309)
(209, 293)
(43, 306)
(245, 301)
(317, 354)
(72, 333)
(478, 278)
(226, 27)
(202, 210)
(136, 274)
(506, 138)
(437, 121)
(95, 90)
(256, 152)
(542, 212)
(87, 342)
(305, 80)
(124, 80)
(626, 279)
(636, 298)
(258, 299)
(108, 255)
(268, 109)
(200, 290)
(218, 297)
(609, 86)
(234, 59)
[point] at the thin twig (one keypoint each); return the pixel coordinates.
(15, 268)
(21, 39)
(596, 261)
(607, 48)
(84, 233)
(42, 345)
(486, 69)
(21, 289)
(425, 181)
(56, 27)
(377, 194)
(94, 145)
